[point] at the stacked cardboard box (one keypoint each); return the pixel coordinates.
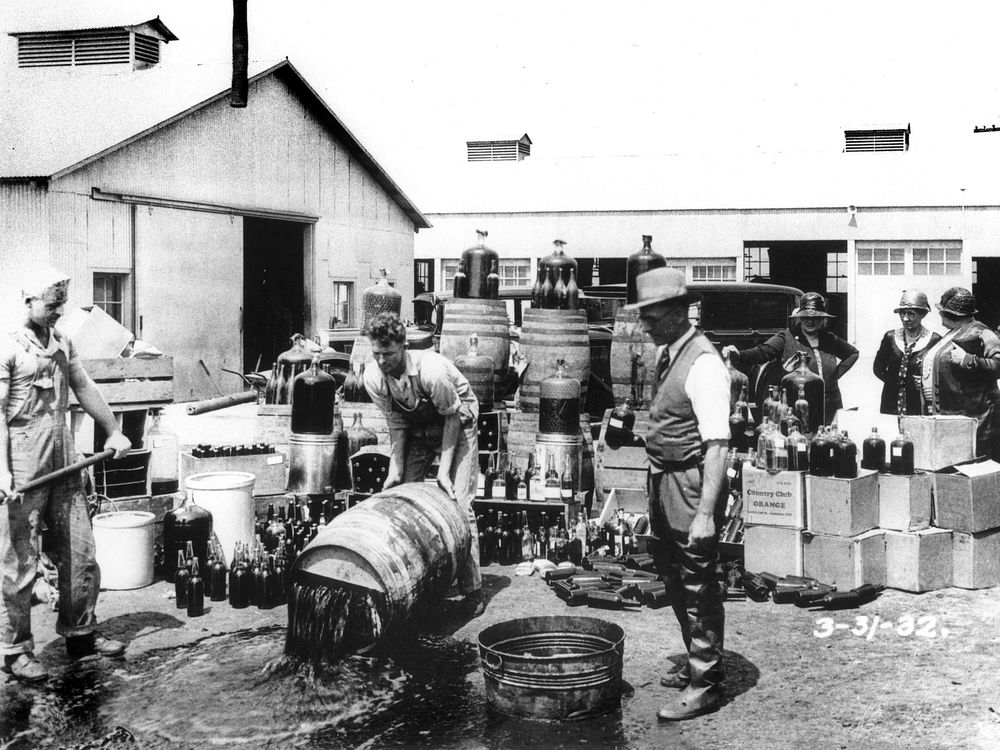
(774, 511)
(966, 501)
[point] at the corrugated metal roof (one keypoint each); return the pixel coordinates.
(56, 120)
(717, 182)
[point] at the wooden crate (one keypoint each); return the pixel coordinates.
(625, 467)
(132, 382)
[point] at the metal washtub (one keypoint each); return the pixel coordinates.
(554, 667)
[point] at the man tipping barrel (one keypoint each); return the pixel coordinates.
(38, 367)
(687, 442)
(430, 410)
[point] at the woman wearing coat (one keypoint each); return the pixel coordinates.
(899, 361)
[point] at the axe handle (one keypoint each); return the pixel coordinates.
(45, 479)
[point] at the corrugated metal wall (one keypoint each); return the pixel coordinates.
(24, 223)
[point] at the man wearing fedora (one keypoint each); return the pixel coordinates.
(960, 372)
(830, 356)
(687, 442)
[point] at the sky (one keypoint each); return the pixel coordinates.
(414, 81)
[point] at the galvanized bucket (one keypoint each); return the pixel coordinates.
(554, 667)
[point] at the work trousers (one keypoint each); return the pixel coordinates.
(68, 540)
(420, 454)
(692, 575)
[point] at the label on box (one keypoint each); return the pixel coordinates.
(273, 460)
(773, 499)
(616, 423)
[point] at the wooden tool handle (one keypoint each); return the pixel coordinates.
(45, 479)
(200, 407)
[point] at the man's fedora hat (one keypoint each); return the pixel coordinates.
(661, 285)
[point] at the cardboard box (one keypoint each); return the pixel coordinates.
(95, 334)
(773, 549)
(842, 507)
(773, 499)
(939, 441)
(967, 497)
(904, 502)
(918, 561)
(976, 559)
(629, 500)
(845, 561)
(270, 469)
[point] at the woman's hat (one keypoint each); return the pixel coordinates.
(661, 285)
(957, 301)
(811, 305)
(913, 299)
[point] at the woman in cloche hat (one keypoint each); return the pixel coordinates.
(900, 356)
(829, 355)
(959, 373)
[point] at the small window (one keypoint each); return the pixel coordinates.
(343, 305)
(881, 261)
(423, 276)
(937, 261)
(515, 272)
(109, 294)
(448, 270)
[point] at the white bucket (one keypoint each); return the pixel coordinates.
(124, 548)
(228, 496)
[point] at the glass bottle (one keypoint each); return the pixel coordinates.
(572, 291)
(281, 388)
(646, 259)
(163, 446)
(460, 286)
(528, 477)
(522, 489)
(901, 455)
(528, 539)
(801, 410)
(559, 292)
(621, 421)
(779, 451)
(847, 459)
(181, 578)
(567, 487)
(765, 430)
(545, 296)
(536, 290)
(188, 523)
(218, 575)
(798, 450)
(873, 452)
(493, 282)
(488, 476)
(512, 477)
(770, 403)
(738, 383)
(821, 454)
(358, 435)
(499, 478)
(738, 421)
(313, 397)
(551, 492)
(240, 582)
(195, 592)
(271, 389)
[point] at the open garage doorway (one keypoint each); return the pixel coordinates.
(273, 288)
(812, 266)
(986, 287)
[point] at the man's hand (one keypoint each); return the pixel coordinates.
(445, 483)
(729, 351)
(119, 443)
(702, 529)
(6, 487)
(392, 478)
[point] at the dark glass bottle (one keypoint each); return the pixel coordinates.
(207, 573)
(847, 457)
(738, 422)
(313, 395)
(262, 586)
(738, 383)
(901, 455)
(359, 436)
(181, 578)
(546, 294)
(195, 592)
(620, 424)
(461, 283)
(493, 282)
(271, 389)
(559, 295)
(567, 483)
(812, 391)
(559, 403)
(536, 290)
(189, 523)
(801, 410)
(821, 455)
(873, 452)
(481, 536)
(529, 474)
(240, 583)
(219, 578)
(488, 476)
(281, 387)
(476, 263)
(644, 260)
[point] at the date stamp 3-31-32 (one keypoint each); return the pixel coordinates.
(867, 627)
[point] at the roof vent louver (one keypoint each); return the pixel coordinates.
(504, 149)
(877, 138)
(138, 46)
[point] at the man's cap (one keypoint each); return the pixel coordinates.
(661, 285)
(45, 282)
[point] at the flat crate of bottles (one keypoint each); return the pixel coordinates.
(269, 466)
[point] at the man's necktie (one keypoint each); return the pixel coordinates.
(663, 365)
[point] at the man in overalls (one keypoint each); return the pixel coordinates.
(38, 366)
(430, 409)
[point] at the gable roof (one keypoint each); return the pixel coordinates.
(54, 121)
(153, 24)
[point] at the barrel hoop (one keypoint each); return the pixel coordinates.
(533, 680)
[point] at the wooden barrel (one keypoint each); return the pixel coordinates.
(546, 337)
(487, 318)
(633, 355)
(403, 544)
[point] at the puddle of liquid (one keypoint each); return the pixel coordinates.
(240, 691)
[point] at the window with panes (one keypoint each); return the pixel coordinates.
(109, 294)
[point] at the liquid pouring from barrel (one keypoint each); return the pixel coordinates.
(359, 579)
